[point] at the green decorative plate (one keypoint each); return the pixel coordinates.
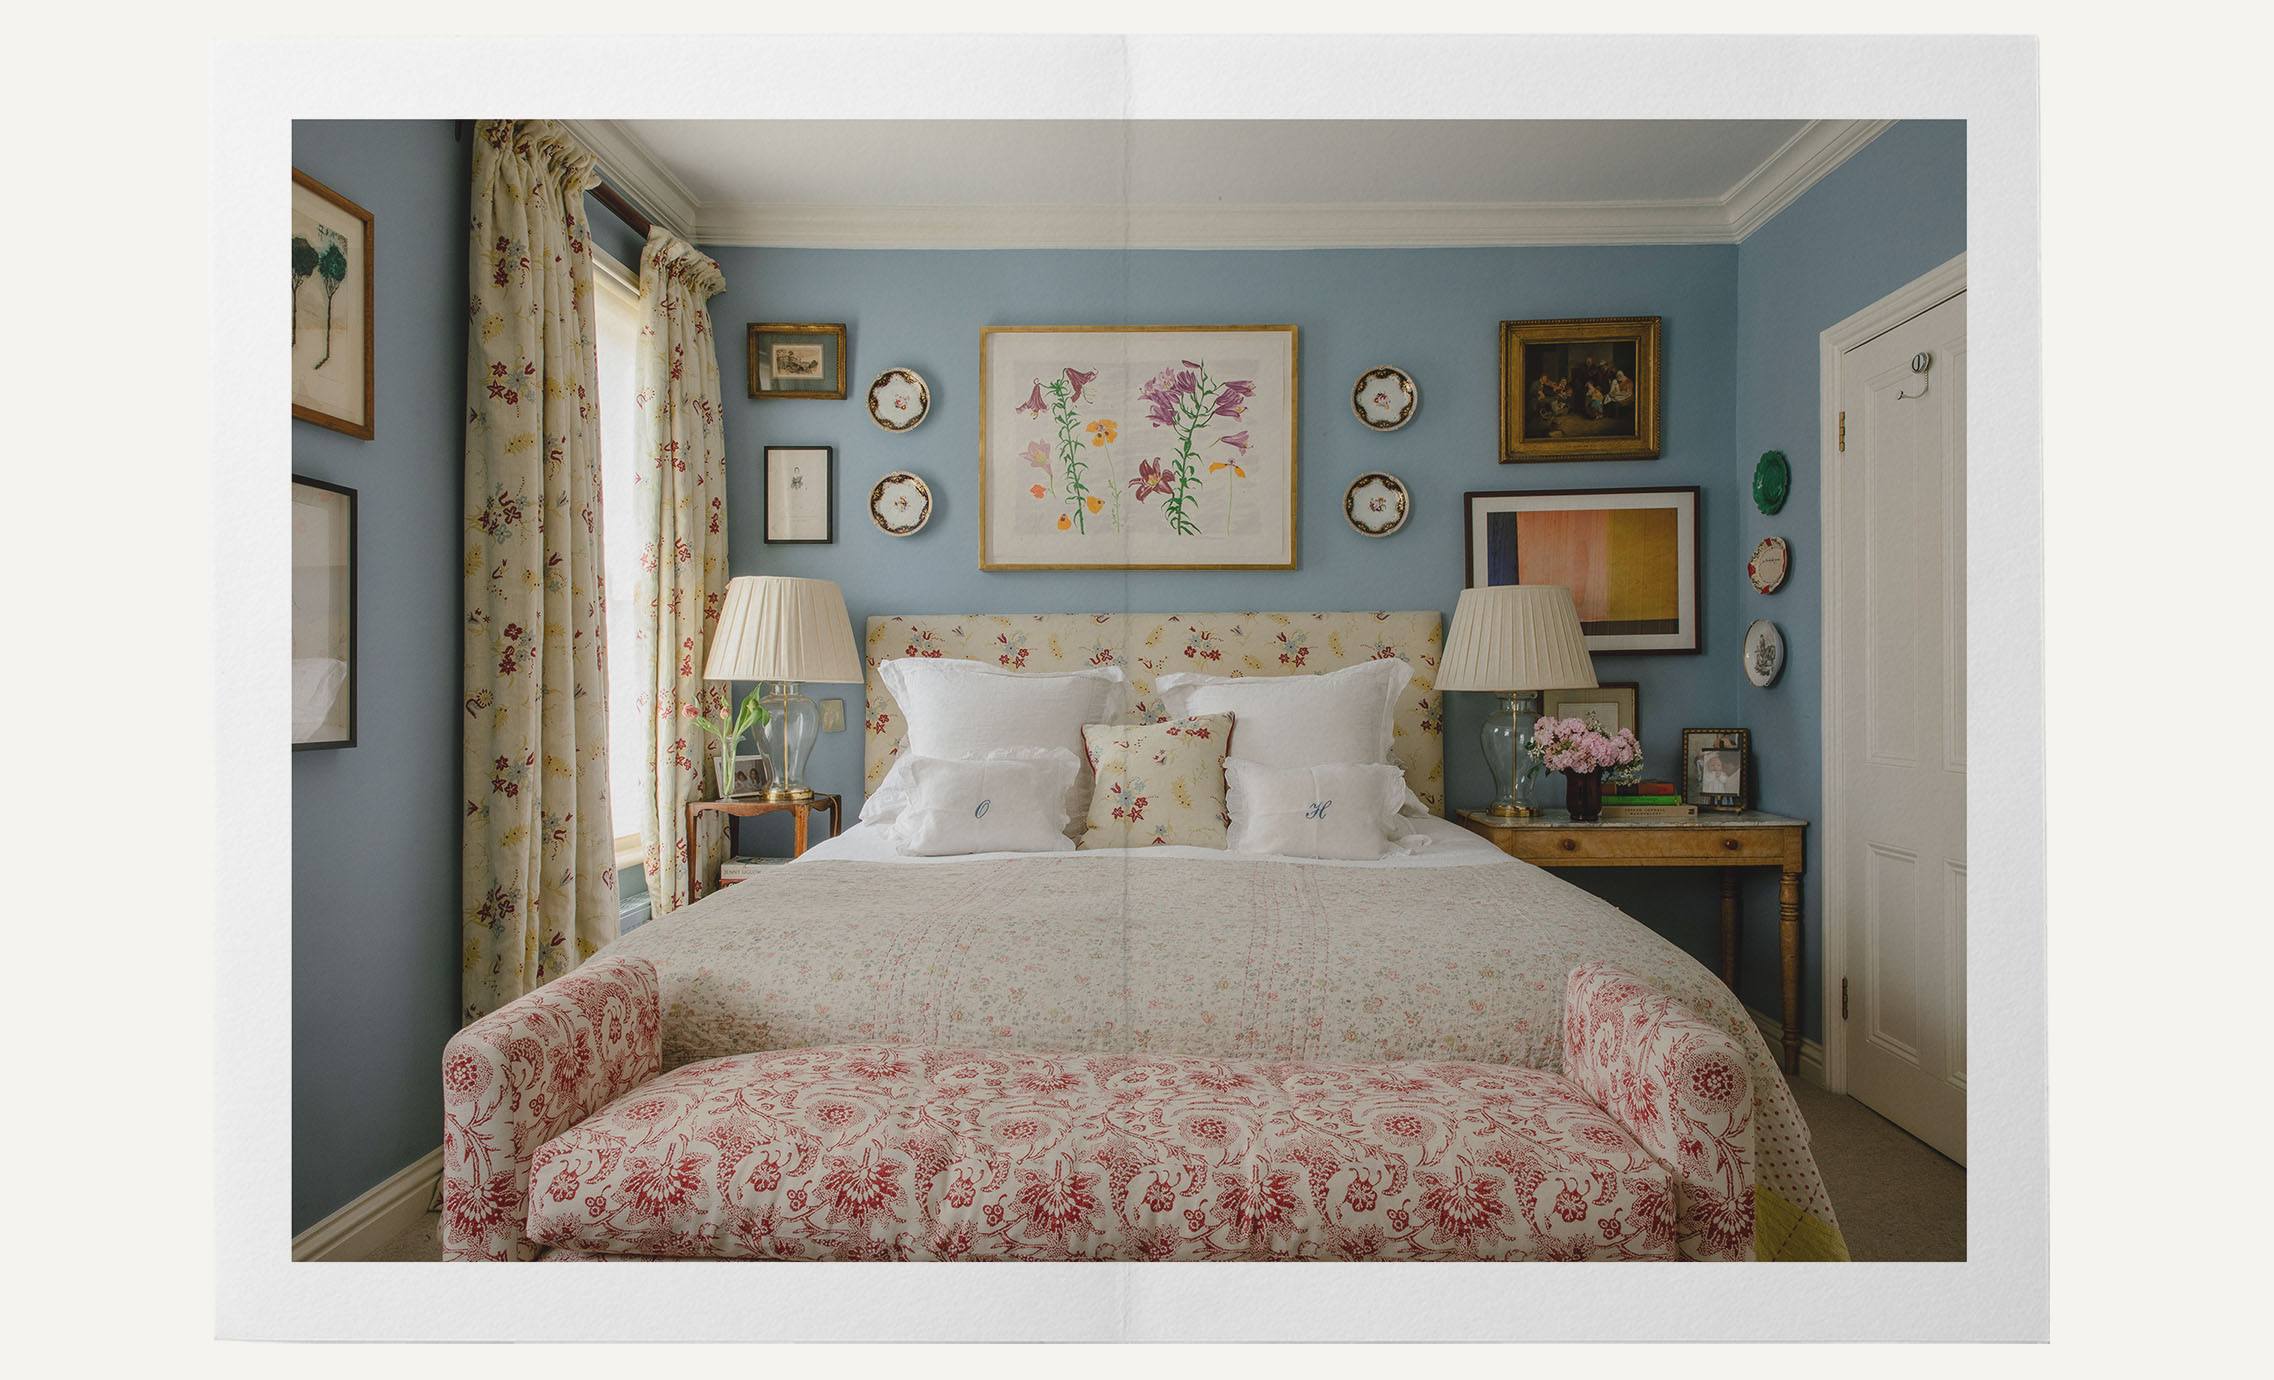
(1772, 481)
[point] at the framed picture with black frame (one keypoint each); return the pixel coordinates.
(323, 615)
(801, 500)
(1628, 556)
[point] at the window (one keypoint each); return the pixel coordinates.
(617, 313)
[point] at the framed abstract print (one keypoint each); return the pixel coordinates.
(1137, 448)
(1579, 390)
(323, 615)
(1628, 556)
(331, 309)
(801, 502)
(796, 360)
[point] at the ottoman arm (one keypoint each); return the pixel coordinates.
(525, 1073)
(1678, 1085)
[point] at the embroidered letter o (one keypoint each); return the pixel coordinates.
(981, 812)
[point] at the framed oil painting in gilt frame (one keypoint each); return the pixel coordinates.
(1137, 448)
(1579, 390)
(331, 309)
(1628, 556)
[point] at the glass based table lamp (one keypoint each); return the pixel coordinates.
(784, 632)
(1514, 641)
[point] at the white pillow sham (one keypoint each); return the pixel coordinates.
(956, 709)
(1000, 804)
(1348, 715)
(1346, 811)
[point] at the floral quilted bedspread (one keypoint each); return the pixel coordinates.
(1126, 953)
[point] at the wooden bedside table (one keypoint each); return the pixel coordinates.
(800, 812)
(1706, 839)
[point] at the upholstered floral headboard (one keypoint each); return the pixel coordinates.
(1145, 645)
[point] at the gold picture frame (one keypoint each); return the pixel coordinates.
(1258, 444)
(1581, 389)
(823, 354)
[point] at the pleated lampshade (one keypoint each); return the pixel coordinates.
(775, 627)
(1508, 638)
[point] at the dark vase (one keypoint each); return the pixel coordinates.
(1583, 795)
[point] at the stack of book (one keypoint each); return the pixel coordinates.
(742, 869)
(1646, 800)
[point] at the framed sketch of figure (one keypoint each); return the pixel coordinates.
(800, 502)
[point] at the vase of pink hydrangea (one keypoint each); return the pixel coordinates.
(1587, 757)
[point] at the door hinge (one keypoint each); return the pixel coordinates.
(1843, 431)
(1843, 999)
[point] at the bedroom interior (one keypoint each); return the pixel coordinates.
(1150, 486)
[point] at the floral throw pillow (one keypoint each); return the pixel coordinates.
(1158, 783)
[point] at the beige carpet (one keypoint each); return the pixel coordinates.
(1897, 1199)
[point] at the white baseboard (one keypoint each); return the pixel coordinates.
(1811, 1051)
(365, 1224)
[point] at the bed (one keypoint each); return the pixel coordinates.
(1452, 952)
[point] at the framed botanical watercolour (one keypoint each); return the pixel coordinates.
(1613, 705)
(1579, 390)
(1716, 768)
(1137, 448)
(801, 500)
(793, 360)
(331, 309)
(1628, 556)
(323, 615)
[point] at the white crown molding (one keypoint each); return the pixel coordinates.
(632, 168)
(373, 1218)
(1805, 159)
(1814, 151)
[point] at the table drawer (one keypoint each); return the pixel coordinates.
(1702, 847)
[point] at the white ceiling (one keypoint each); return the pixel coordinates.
(1217, 184)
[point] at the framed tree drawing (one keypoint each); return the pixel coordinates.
(331, 309)
(1628, 556)
(1137, 447)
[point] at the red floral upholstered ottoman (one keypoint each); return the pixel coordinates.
(880, 1152)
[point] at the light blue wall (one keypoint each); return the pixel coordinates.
(1888, 215)
(375, 826)
(1433, 312)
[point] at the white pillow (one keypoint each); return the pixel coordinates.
(964, 709)
(1348, 715)
(1343, 810)
(1004, 804)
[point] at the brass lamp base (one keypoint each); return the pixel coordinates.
(1512, 812)
(789, 793)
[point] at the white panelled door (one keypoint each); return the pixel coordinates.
(1899, 730)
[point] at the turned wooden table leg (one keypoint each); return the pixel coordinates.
(798, 819)
(1729, 923)
(1788, 939)
(694, 872)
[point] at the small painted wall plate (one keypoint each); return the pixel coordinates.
(1764, 652)
(900, 504)
(1375, 504)
(1772, 481)
(1772, 561)
(899, 400)
(1385, 397)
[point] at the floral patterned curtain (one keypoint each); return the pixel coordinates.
(538, 867)
(682, 512)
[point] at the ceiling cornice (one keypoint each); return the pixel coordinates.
(1816, 150)
(632, 168)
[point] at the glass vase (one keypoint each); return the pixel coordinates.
(1583, 795)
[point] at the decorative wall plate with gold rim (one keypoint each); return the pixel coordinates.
(1764, 652)
(900, 504)
(1385, 397)
(899, 400)
(1772, 561)
(1376, 504)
